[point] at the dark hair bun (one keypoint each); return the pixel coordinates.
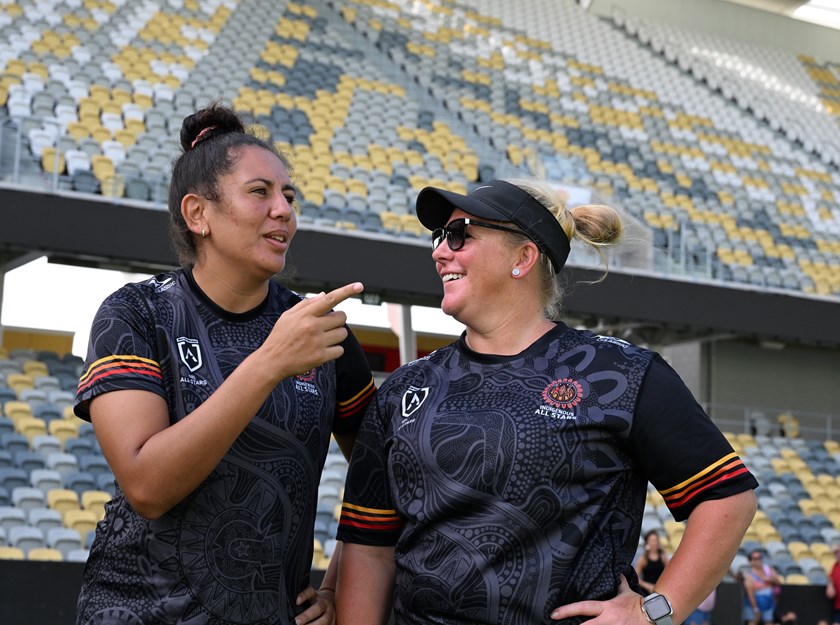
(215, 119)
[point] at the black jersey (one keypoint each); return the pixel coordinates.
(512, 485)
(239, 548)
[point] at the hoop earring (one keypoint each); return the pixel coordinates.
(203, 233)
(515, 273)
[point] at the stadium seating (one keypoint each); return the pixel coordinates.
(373, 101)
(734, 179)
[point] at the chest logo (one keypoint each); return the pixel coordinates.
(564, 393)
(190, 352)
(412, 399)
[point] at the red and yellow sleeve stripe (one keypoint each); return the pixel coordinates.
(357, 403)
(727, 468)
(369, 518)
(119, 364)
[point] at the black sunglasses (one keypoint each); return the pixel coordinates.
(455, 232)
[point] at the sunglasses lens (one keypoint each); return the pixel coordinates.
(455, 234)
(452, 232)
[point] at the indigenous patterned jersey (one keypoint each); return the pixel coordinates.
(513, 485)
(238, 549)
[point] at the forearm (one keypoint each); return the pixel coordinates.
(365, 585)
(331, 574)
(712, 536)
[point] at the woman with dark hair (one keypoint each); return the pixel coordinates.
(213, 392)
(651, 563)
(502, 478)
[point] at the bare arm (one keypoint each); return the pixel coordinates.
(156, 464)
(365, 585)
(711, 540)
(345, 443)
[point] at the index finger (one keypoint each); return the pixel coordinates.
(324, 303)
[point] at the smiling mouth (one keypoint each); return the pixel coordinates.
(280, 238)
(449, 277)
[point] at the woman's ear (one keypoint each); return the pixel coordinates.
(192, 210)
(527, 257)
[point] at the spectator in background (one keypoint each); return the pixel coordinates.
(213, 392)
(702, 615)
(761, 589)
(502, 478)
(651, 563)
(832, 588)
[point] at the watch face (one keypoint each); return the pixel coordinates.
(657, 607)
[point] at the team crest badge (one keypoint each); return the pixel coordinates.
(190, 352)
(412, 399)
(565, 393)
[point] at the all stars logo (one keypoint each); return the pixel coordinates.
(412, 399)
(190, 352)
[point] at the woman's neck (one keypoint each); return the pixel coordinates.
(235, 296)
(508, 338)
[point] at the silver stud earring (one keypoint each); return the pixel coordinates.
(203, 232)
(515, 273)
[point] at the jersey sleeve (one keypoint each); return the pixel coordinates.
(355, 386)
(368, 516)
(678, 447)
(121, 351)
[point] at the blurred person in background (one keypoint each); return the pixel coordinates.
(213, 392)
(502, 478)
(761, 588)
(651, 563)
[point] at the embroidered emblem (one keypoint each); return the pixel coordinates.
(412, 399)
(565, 393)
(309, 376)
(190, 352)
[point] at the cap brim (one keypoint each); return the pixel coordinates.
(434, 206)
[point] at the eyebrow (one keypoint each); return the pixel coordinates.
(270, 183)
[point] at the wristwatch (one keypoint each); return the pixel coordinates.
(657, 609)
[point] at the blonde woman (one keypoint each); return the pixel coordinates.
(502, 478)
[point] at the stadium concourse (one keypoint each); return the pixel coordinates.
(713, 127)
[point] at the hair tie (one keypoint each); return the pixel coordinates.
(203, 132)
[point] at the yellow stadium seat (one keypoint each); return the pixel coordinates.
(63, 429)
(35, 368)
(820, 549)
(391, 222)
(63, 500)
(113, 185)
(95, 500)
(78, 130)
(808, 506)
(797, 579)
(45, 554)
(52, 161)
(317, 554)
(17, 409)
(31, 427)
(18, 381)
(11, 553)
(83, 521)
(412, 225)
(102, 166)
(797, 548)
